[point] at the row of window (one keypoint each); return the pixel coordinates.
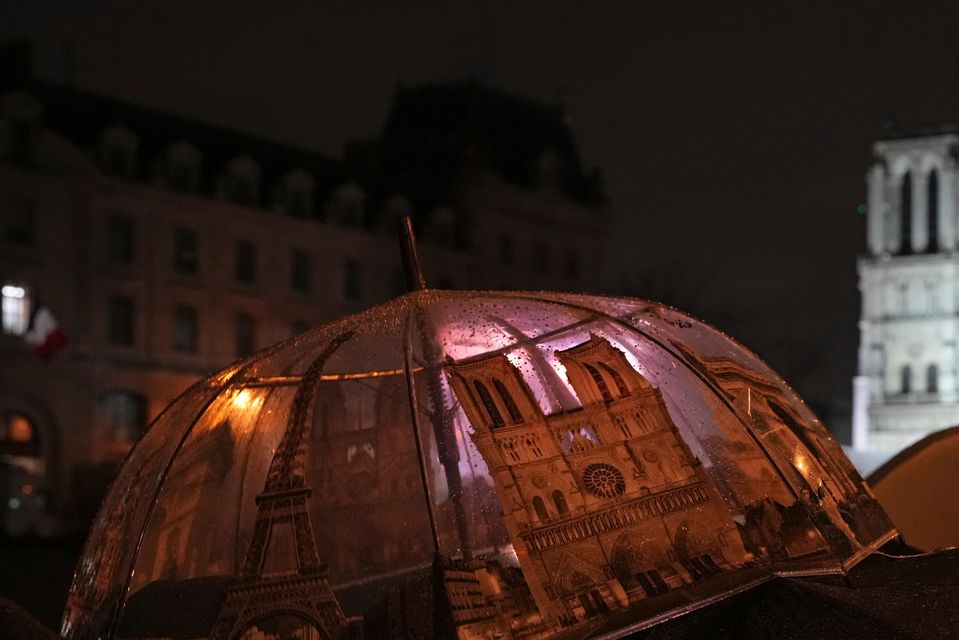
(907, 384)
(932, 212)
(121, 328)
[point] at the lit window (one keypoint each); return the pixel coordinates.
(600, 382)
(16, 309)
(19, 428)
(18, 436)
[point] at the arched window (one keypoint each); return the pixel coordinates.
(560, 500)
(495, 416)
(932, 379)
(905, 214)
(932, 219)
(906, 379)
(618, 379)
(514, 414)
(540, 508)
(600, 382)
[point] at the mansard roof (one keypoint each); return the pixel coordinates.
(82, 117)
(434, 131)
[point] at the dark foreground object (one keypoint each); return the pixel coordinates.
(884, 597)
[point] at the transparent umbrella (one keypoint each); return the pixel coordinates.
(473, 465)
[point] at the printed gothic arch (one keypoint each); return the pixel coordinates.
(575, 575)
(600, 373)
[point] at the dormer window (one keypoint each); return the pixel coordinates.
(347, 205)
(183, 167)
(243, 180)
(118, 147)
(298, 194)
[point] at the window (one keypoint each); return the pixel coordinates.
(121, 237)
(932, 194)
(514, 414)
(905, 214)
(496, 418)
(932, 379)
(185, 258)
(905, 379)
(16, 309)
(618, 379)
(19, 228)
(540, 507)
(352, 280)
(504, 249)
(18, 436)
(604, 480)
(600, 382)
(300, 271)
(121, 320)
(560, 500)
(245, 335)
(124, 413)
(244, 266)
(186, 329)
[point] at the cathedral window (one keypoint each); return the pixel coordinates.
(540, 507)
(905, 214)
(604, 480)
(560, 500)
(600, 382)
(906, 379)
(514, 414)
(496, 418)
(618, 379)
(932, 219)
(932, 379)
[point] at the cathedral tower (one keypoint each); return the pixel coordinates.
(906, 385)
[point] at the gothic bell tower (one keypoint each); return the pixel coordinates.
(906, 385)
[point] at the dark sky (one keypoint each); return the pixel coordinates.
(734, 137)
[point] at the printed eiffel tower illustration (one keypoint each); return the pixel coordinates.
(283, 574)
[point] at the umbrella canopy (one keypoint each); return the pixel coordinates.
(473, 465)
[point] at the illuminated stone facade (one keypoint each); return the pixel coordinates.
(605, 505)
(907, 384)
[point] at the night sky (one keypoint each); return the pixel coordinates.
(733, 137)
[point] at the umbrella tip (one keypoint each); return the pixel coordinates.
(411, 261)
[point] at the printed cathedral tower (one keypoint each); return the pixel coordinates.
(604, 504)
(906, 385)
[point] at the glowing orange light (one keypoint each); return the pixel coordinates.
(20, 429)
(27, 489)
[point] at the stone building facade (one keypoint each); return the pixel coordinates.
(167, 248)
(907, 384)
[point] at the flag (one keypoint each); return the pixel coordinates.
(44, 333)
